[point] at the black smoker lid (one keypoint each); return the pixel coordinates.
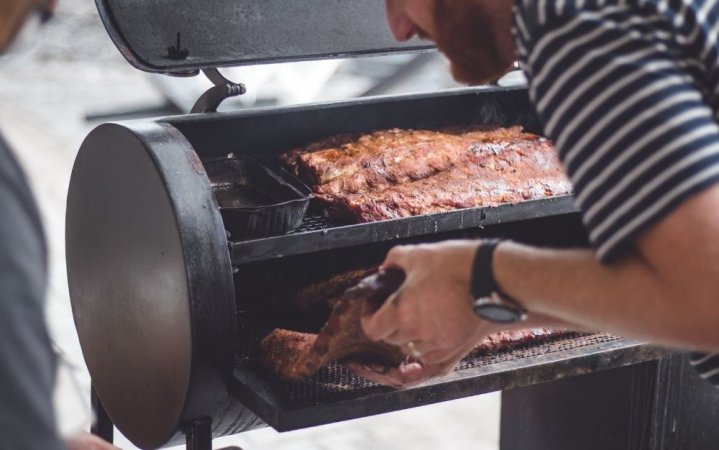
(216, 33)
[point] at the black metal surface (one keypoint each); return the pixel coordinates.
(199, 434)
(150, 281)
(659, 405)
(262, 266)
(255, 200)
(184, 35)
(685, 411)
(268, 132)
(335, 394)
(102, 426)
(316, 234)
(254, 133)
(596, 411)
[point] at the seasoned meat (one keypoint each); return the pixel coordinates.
(294, 355)
(507, 340)
(349, 164)
(512, 176)
(312, 304)
(399, 173)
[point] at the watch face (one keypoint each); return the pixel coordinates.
(488, 309)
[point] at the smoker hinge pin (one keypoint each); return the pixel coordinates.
(222, 89)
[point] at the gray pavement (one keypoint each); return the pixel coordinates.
(44, 96)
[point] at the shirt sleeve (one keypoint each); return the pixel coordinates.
(617, 94)
(27, 361)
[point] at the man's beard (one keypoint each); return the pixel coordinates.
(478, 44)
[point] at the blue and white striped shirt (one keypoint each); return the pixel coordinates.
(628, 90)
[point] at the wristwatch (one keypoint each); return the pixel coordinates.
(490, 303)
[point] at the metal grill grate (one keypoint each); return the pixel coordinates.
(334, 382)
(313, 222)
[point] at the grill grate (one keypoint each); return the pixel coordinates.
(313, 222)
(334, 382)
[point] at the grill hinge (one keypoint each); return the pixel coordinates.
(222, 89)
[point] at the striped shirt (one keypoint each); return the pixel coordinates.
(628, 90)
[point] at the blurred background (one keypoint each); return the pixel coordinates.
(73, 78)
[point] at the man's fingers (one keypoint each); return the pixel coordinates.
(435, 357)
(386, 376)
(407, 374)
(400, 257)
(438, 356)
(402, 336)
(382, 323)
(415, 348)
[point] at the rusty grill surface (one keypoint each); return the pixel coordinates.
(335, 393)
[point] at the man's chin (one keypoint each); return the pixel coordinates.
(474, 76)
(476, 38)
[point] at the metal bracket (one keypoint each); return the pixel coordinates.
(103, 426)
(222, 89)
(199, 436)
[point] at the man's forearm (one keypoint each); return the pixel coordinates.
(629, 298)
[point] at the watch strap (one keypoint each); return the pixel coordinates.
(490, 302)
(483, 283)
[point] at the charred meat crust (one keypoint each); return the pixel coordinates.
(398, 173)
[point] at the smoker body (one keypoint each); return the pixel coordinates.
(169, 307)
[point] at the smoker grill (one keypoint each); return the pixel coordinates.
(169, 308)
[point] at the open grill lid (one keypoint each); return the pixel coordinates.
(184, 36)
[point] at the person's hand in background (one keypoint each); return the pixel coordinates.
(87, 441)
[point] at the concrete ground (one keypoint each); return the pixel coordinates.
(44, 96)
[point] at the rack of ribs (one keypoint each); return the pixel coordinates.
(398, 173)
(294, 356)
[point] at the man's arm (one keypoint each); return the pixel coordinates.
(666, 290)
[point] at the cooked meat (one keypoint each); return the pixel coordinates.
(312, 304)
(349, 164)
(507, 340)
(512, 176)
(294, 356)
(399, 173)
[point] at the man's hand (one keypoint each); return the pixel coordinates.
(407, 374)
(432, 310)
(87, 441)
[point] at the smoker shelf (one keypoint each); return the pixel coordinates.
(335, 394)
(316, 234)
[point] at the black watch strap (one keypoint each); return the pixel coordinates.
(489, 302)
(483, 283)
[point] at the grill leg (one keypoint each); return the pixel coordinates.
(103, 426)
(657, 405)
(199, 435)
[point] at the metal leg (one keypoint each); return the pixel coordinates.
(658, 405)
(604, 410)
(103, 426)
(199, 435)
